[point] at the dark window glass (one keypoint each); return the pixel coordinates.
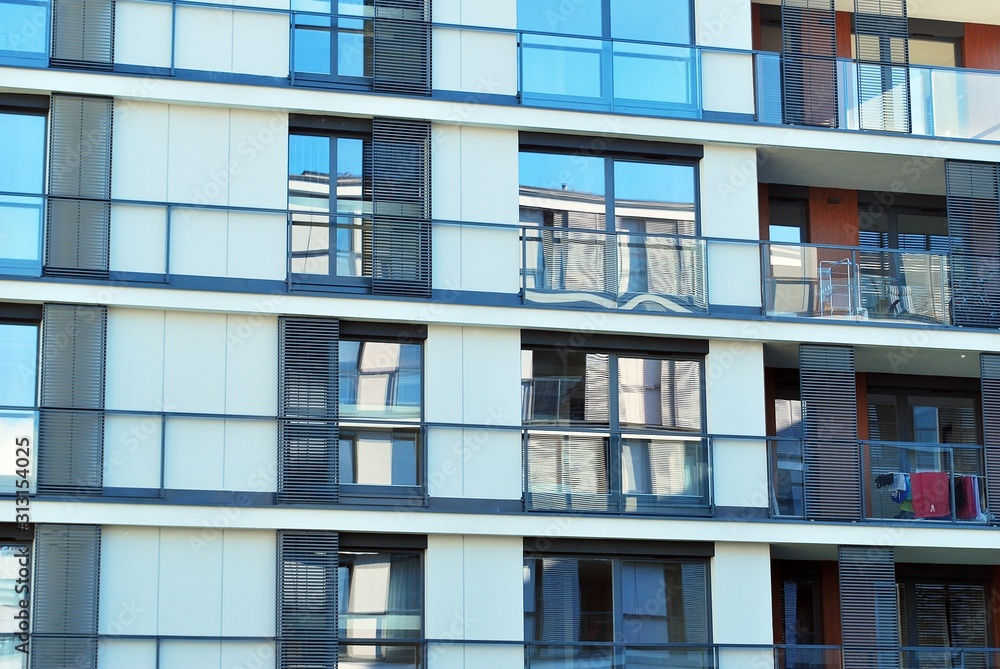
(380, 380)
(561, 387)
(379, 595)
(379, 457)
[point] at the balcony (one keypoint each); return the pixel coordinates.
(583, 655)
(940, 102)
(898, 481)
(614, 270)
(601, 473)
(849, 283)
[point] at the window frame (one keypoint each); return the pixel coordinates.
(35, 59)
(618, 553)
(615, 433)
(26, 316)
(334, 129)
(335, 80)
(34, 106)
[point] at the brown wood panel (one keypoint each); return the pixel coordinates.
(755, 27)
(845, 28)
(831, 603)
(763, 210)
(981, 46)
(833, 216)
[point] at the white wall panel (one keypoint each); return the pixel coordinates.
(142, 33)
(491, 373)
(190, 654)
(130, 561)
(248, 655)
(258, 155)
(138, 239)
(444, 569)
(494, 587)
(735, 387)
(123, 654)
(199, 169)
(204, 39)
(251, 456)
(134, 367)
(443, 401)
(741, 594)
(248, 582)
(251, 364)
(727, 82)
(195, 362)
(139, 149)
(724, 23)
(260, 43)
(257, 246)
(739, 467)
(199, 242)
(132, 451)
(190, 572)
(194, 457)
(491, 464)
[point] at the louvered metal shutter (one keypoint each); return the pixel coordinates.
(882, 37)
(809, 62)
(990, 384)
(71, 452)
(868, 610)
(401, 185)
(83, 33)
(65, 597)
(79, 209)
(402, 60)
(308, 611)
(974, 228)
(830, 432)
(308, 394)
(695, 592)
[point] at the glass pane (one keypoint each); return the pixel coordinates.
(644, 607)
(24, 28)
(666, 21)
(569, 600)
(562, 191)
(23, 136)
(562, 386)
(380, 655)
(565, 66)
(354, 46)
(379, 596)
(351, 245)
(312, 49)
(21, 234)
(579, 17)
(14, 565)
(18, 364)
(378, 457)
(659, 393)
(934, 52)
(311, 244)
(380, 379)
(350, 172)
(661, 197)
(309, 173)
(663, 468)
(671, 68)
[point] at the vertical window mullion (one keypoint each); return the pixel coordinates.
(332, 208)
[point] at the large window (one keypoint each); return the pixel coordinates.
(350, 600)
(945, 614)
(329, 197)
(611, 231)
(606, 612)
(13, 558)
(617, 54)
(24, 31)
(22, 183)
(351, 412)
(18, 399)
(610, 431)
(333, 40)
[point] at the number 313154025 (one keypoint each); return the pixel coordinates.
(23, 482)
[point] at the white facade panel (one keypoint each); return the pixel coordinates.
(187, 654)
(199, 168)
(735, 387)
(444, 568)
(445, 465)
(741, 573)
(258, 157)
(251, 357)
(129, 597)
(723, 23)
(727, 82)
(194, 454)
(491, 463)
(443, 401)
(248, 560)
(195, 363)
(199, 242)
(190, 573)
(491, 373)
(142, 33)
(126, 654)
(138, 239)
(494, 588)
(204, 39)
(132, 451)
(140, 146)
(134, 360)
(260, 43)
(257, 246)
(251, 456)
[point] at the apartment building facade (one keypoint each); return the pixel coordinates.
(552, 333)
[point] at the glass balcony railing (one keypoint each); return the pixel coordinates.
(616, 270)
(940, 102)
(917, 657)
(905, 481)
(609, 74)
(605, 473)
(900, 481)
(816, 281)
(583, 655)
